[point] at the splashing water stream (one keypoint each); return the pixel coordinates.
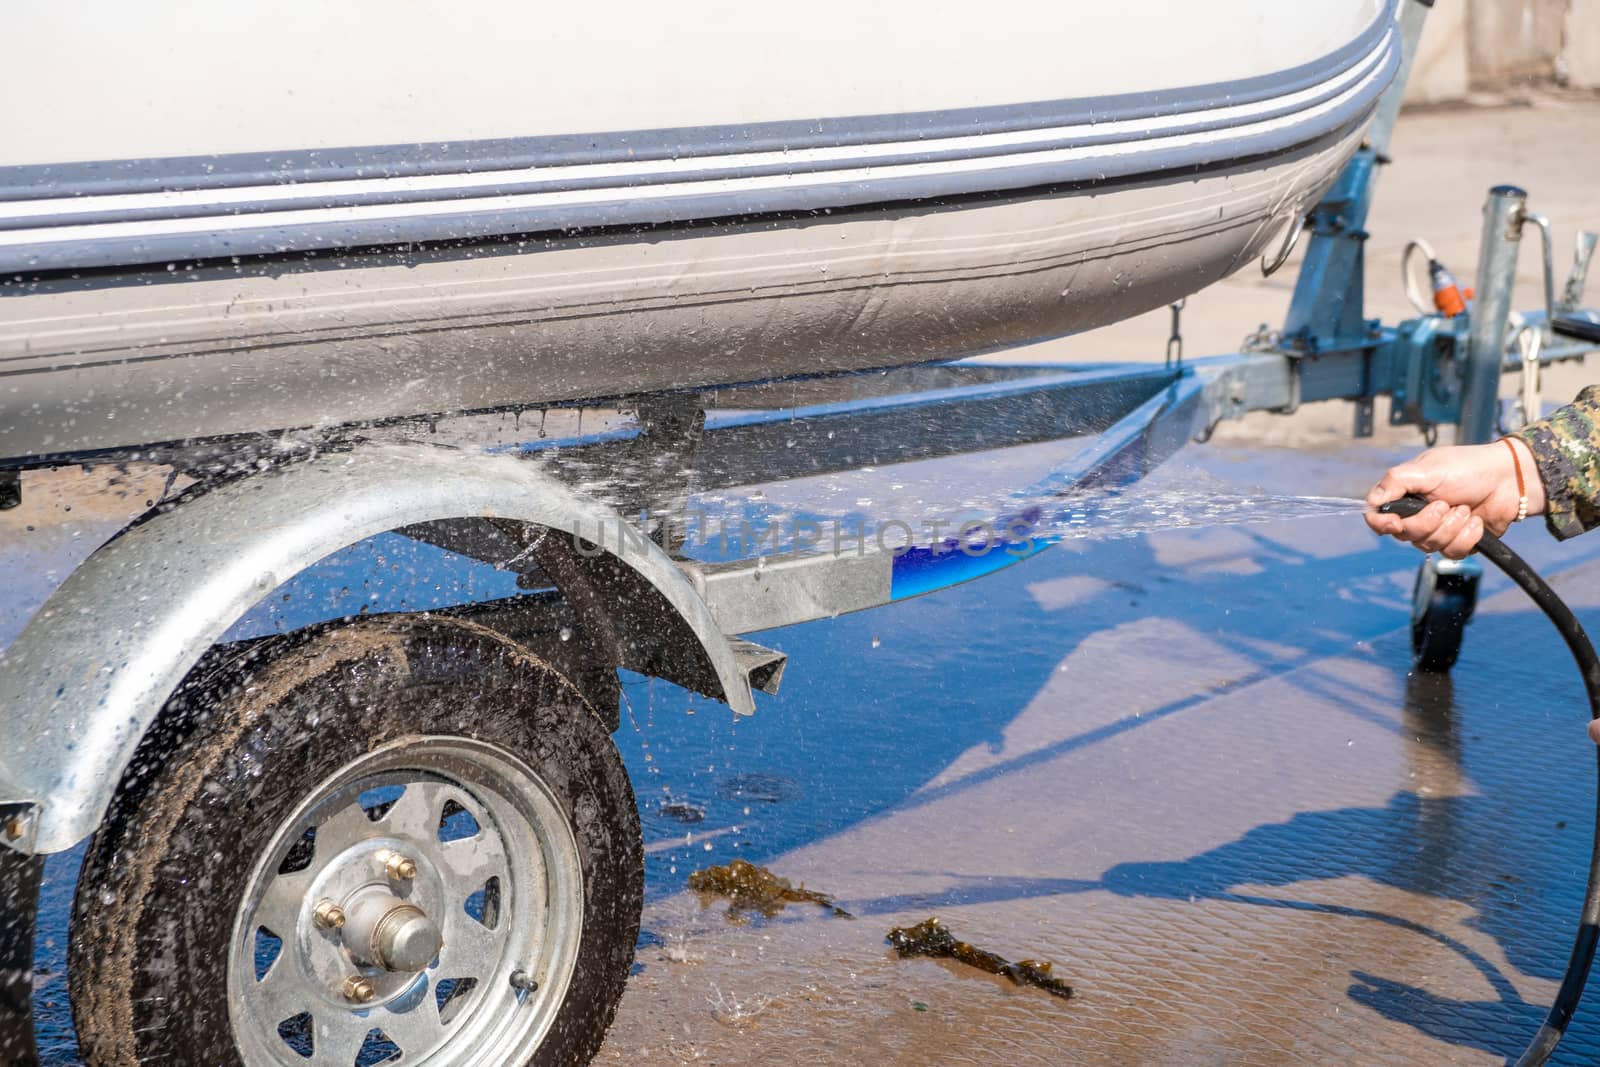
(1118, 513)
(1043, 516)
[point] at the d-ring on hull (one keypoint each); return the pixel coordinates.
(196, 267)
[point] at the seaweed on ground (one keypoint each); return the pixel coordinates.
(933, 939)
(751, 889)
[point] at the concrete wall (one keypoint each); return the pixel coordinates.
(1496, 44)
(1579, 62)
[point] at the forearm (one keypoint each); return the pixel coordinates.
(1566, 450)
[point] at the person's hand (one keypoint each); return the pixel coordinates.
(1470, 487)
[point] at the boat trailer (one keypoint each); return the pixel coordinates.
(584, 522)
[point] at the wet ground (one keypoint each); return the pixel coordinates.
(1189, 768)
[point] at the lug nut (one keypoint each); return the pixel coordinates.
(329, 915)
(358, 990)
(400, 868)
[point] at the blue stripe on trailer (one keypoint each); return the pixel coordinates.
(1122, 455)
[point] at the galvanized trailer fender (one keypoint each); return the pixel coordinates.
(87, 677)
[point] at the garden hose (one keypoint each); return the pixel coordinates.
(1516, 568)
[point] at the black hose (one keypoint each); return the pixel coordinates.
(1516, 568)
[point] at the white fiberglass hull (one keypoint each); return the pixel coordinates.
(210, 268)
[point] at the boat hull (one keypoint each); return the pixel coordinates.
(224, 303)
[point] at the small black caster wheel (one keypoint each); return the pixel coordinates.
(1442, 603)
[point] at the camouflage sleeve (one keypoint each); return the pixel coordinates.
(1566, 446)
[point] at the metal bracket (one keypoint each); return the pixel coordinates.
(1525, 406)
(1578, 276)
(1326, 314)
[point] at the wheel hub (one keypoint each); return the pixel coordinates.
(384, 931)
(392, 894)
(358, 918)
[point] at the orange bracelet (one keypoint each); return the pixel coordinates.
(1522, 487)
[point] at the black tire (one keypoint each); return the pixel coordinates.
(1436, 637)
(1442, 605)
(242, 746)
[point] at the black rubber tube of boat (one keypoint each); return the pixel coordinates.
(1516, 568)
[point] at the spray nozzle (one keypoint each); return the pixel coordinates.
(1405, 507)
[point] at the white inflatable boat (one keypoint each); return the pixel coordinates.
(221, 219)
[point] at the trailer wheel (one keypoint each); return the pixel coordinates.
(1442, 603)
(397, 839)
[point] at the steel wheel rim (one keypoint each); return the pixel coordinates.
(495, 987)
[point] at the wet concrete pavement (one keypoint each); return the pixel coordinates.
(1188, 767)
